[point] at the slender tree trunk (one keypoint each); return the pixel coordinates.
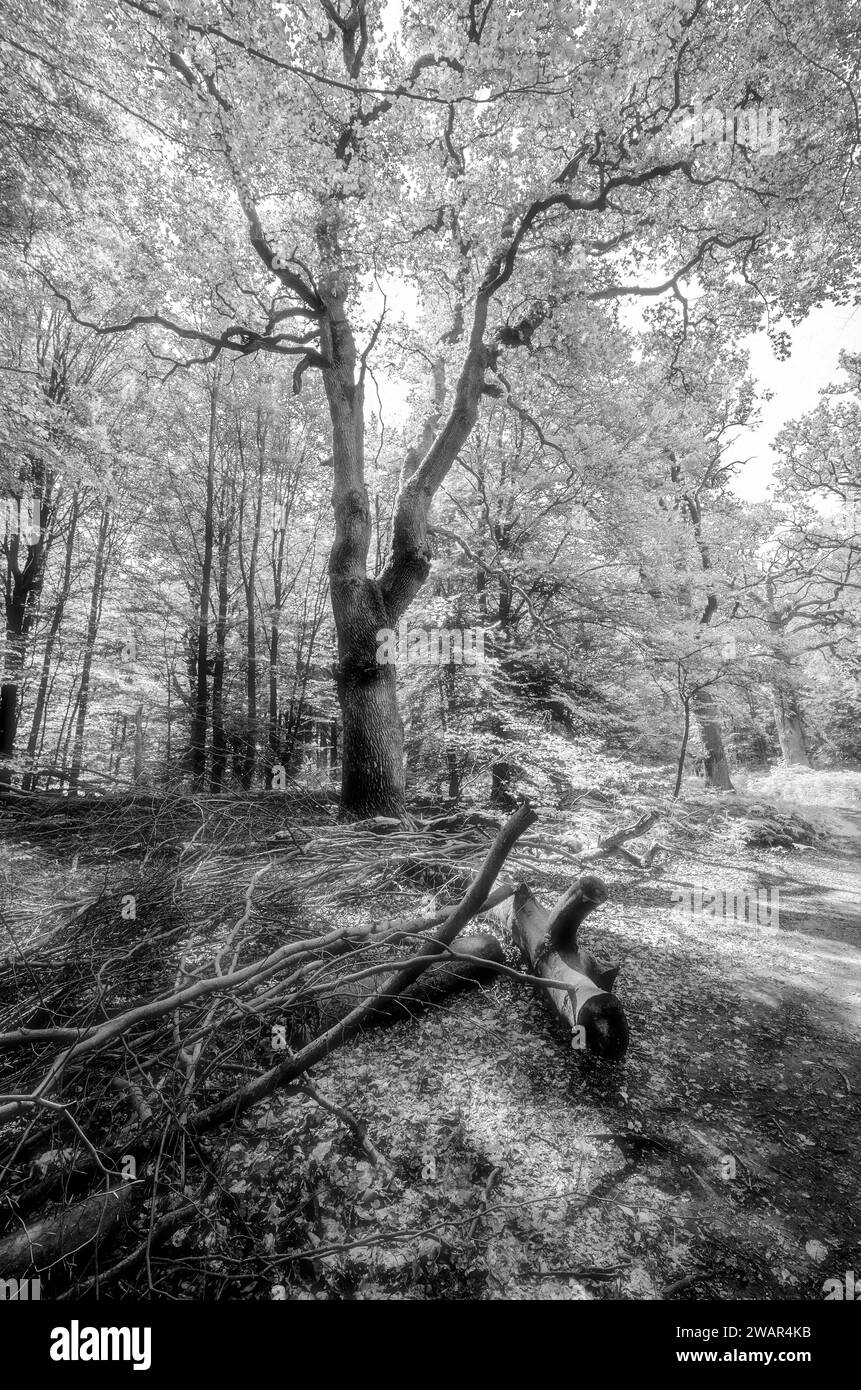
(168, 742)
(272, 739)
(39, 713)
(272, 721)
(61, 748)
(89, 649)
(197, 735)
(9, 708)
(248, 761)
(447, 691)
(139, 746)
(115, 729)
(218, 765)
(686, 733)
(26, 560)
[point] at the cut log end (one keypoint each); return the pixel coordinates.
(549, 943)
(568, 914)
(606, 1027)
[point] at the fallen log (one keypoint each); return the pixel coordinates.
(548, 940)
(610, 844)
(69, 1231)
(448, 976)
(447, 924)
(405, 975)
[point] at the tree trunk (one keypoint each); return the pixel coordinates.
(61, 748)
(372, 744)
(440, 983)
(53, 633)
(373, 755)
(705, 709)
(686, 733)
(100, 569)
(196, 756)
(81, 1227)
(453, 775)
(139, 746)
(790, 724)
(218, 765)
(272, 740)
(26, 560)
(372, 739)
(501, 778)
(785, 702)
(249, 583)
(9, 703)
(286, 483)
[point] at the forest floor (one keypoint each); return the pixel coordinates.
(607, 1179)
(718, 1160)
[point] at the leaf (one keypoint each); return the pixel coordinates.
(816, 1250)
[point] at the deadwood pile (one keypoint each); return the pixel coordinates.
(210, 961)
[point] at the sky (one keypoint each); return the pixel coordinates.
(795, 383)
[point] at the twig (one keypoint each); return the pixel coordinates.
(358, 1127)
(492, 1182)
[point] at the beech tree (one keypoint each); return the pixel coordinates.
(515, 169)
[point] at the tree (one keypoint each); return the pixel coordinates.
(455, 155)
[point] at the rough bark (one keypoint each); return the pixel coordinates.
(707, 716)
(68, 1232)
(789, 722)
(25, 575)
(372, 747)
